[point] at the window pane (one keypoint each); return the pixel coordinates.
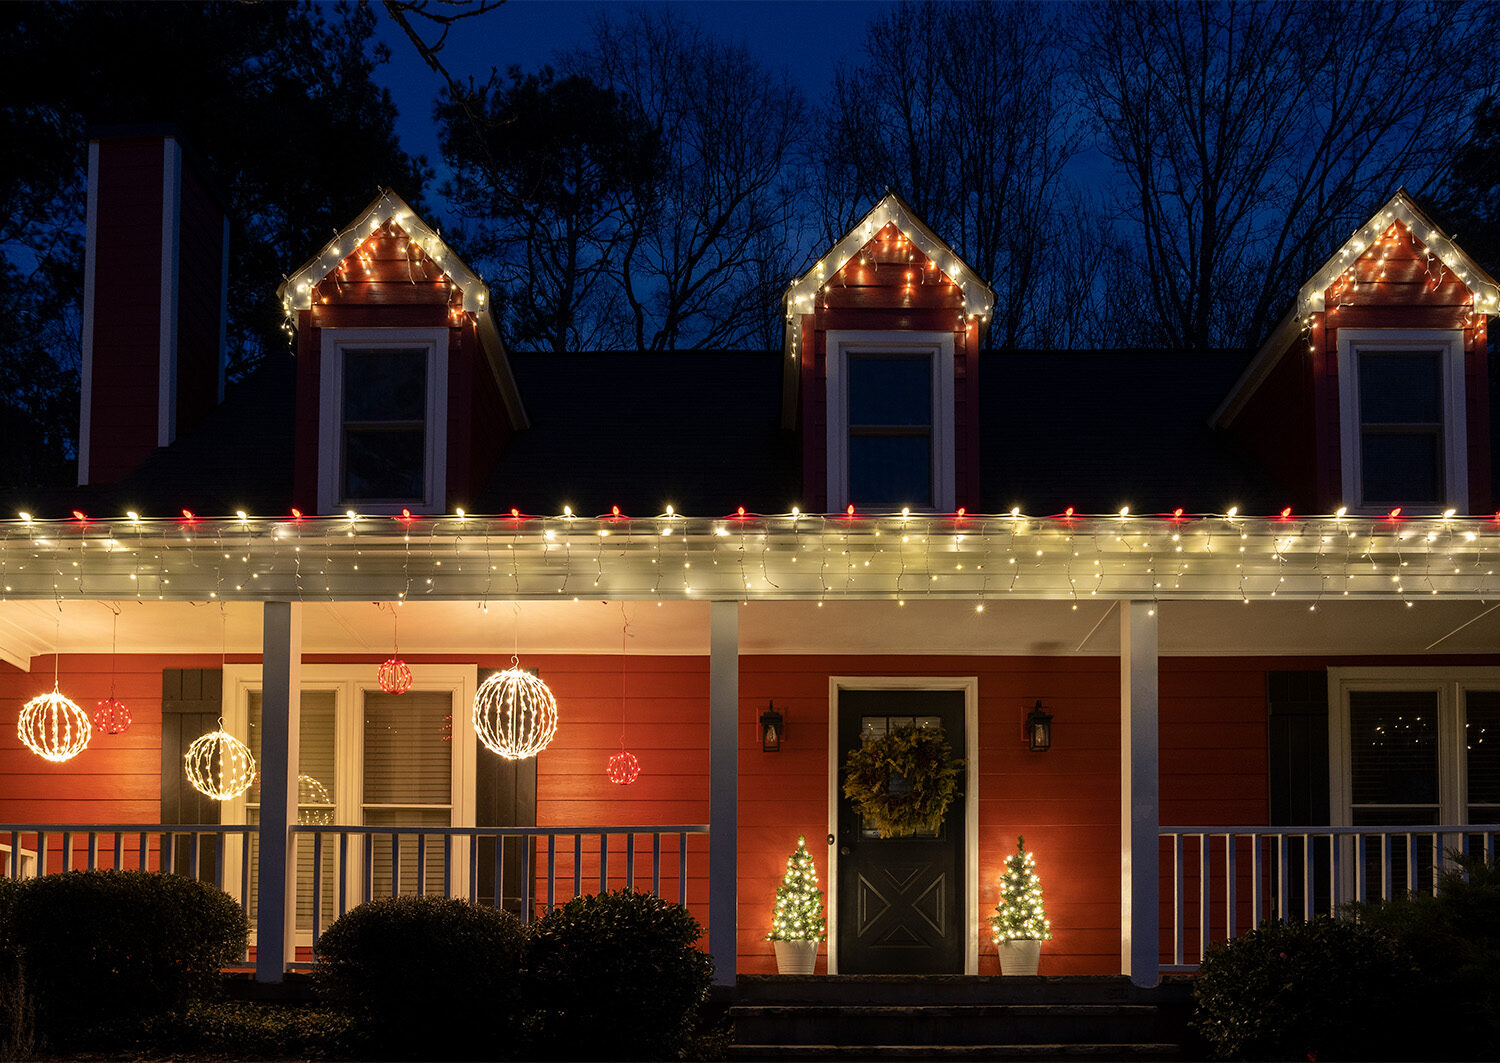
(408, 749)
(1400, 387)
(1401, 467)
(385, 385)
(890, 391)
(1393, 747)
(890, 470)
(384, 463)
(1482, 739)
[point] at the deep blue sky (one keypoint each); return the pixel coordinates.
(807, 37)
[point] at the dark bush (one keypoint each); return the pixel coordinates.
(16, 1009)
(103, 950)
(1454, 938)
(244, 1030)
(616, 976)
(427, 977)
(1325, 990)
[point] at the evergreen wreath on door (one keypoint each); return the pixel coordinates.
(903, 782)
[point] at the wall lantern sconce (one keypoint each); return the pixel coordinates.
(1038, 729)
(770, 729)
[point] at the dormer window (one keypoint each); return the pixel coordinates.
(890, 420)
(1401, 404)
(383, 419)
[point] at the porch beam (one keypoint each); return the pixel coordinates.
(723, 801)
(281, 709)
(1140, 809)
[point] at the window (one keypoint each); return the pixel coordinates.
(366, 757)
(1401, 409)
(890, 420)
(383, 417)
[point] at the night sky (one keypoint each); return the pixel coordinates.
(809, 38)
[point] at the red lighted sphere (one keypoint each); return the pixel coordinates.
(623, 769)
(112, 717)
(394, 676)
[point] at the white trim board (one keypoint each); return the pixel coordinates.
(970, 686)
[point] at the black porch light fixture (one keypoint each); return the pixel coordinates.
(1038, 729)
(770, 729)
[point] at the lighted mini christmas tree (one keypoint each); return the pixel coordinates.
(799, 901)
(1019, 915)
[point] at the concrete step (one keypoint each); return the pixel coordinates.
(952, 1024)
(954, 990)
(1027, 1052)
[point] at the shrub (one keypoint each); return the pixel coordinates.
(426, 976)
(245, 1030)
(105, 949)
(616, 976)
(1454, 938)
(1321, 990)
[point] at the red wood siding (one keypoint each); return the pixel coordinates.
(888, 285)
(384, 287)
(127, 305)
(1281, 426)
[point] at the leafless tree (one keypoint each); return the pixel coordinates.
(1250, 138)
(715, 229)
(963, 110)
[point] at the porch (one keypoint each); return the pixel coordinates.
(1134, 632)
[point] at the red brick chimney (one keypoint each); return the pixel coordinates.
(155, 288)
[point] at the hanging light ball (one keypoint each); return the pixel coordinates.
(394, 676)
(623, 768)
(111, 717)
(312, 792)
(515, 715)
(53, 727)
(219, 765)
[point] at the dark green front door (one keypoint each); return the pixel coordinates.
(901, 900)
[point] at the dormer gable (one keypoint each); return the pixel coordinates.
(880, 371)
(405, 395)
(1372, 392)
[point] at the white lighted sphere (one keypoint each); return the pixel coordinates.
(219, 765)
(515, 715)
(53, 727)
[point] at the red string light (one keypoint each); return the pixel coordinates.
(393, 675)
(623, 768)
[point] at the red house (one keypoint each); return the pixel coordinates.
(1252, 594)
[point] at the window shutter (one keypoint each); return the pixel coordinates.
(504, 796)
(1297, 733)
(191, 705)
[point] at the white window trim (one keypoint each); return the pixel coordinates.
(1451, 686)
(1447, 342)
(936, 345)
(348, 683)
(970, 686)
(331, 419)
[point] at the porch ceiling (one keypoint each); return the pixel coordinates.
(936, 627)
(756, 558)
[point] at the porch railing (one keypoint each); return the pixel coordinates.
(28, 850)
(1226, 880)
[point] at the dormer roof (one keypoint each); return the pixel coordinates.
(1311, 297)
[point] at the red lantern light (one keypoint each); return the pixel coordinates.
(394, 676)
(623, 768)
(111, 717)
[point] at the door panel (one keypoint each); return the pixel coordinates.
(901, 900)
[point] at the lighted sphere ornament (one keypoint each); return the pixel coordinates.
(394, 676)
(219, 765)
(53, 727)
(111, 717)
(515, 715)
(623, 768)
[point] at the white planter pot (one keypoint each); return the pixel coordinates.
(796, 957)
(1019, 957)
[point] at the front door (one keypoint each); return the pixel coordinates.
(901, 900)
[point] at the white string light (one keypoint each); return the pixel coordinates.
(219, 765)
(515, 715)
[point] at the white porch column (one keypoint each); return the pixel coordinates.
(276, 893)
(1140, 807)
(724, 790)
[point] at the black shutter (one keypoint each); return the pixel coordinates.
(1297, 708)
(504, 796)
(191, 705)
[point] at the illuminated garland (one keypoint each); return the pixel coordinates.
(1019, 916)
(53, 727)
(515, 715)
